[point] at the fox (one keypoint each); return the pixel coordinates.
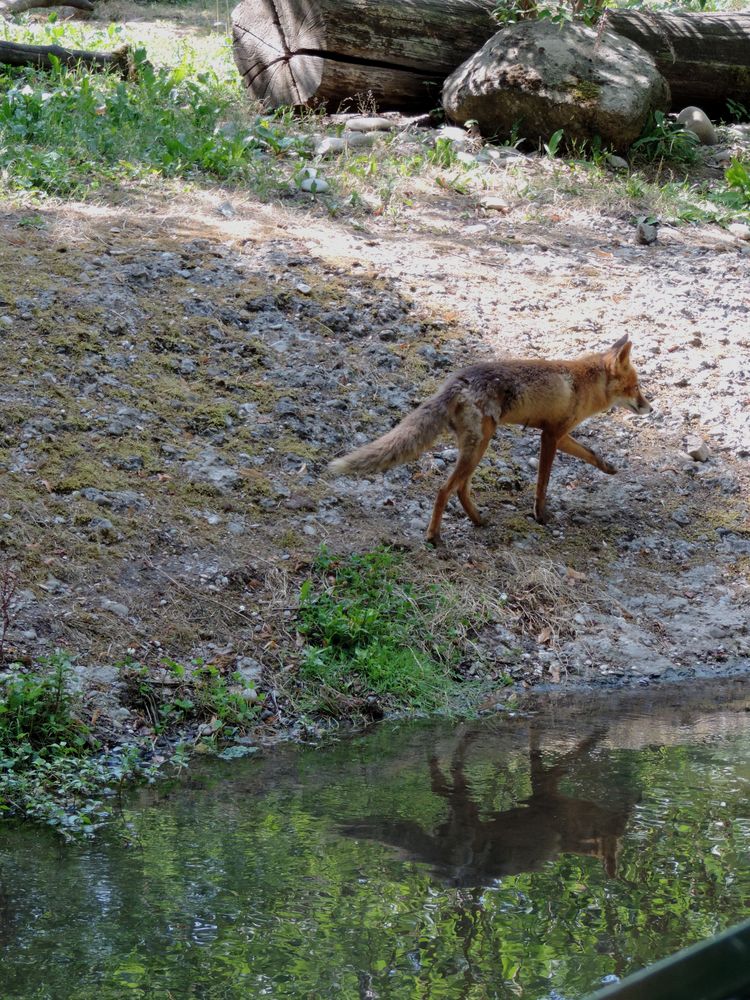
(551, 396)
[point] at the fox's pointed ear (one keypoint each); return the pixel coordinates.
(619, 352)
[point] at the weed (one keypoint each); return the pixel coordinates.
(663, 139)
(551, 147)
(443, 154)
(35, 708)
(738, 111)
(368, 633)
(176, 696)
(66, 131)
(738, 178)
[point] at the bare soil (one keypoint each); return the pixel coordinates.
(179, 368)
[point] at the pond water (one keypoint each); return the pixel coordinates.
(528, 857)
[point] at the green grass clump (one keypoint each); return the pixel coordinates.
(68, 132)
(368, 632)
(663, 139)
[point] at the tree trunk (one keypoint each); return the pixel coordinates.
(298, 51)
(18, 6)
(117, 61)
(705, 58)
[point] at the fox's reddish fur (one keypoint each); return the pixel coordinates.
(553, 396)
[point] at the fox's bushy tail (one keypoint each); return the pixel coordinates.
(405, 442)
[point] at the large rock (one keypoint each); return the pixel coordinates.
(540, 76)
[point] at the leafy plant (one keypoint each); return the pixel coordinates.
(50, 769)
(66, 131)
(35, 708)
(663, 139)
(200, 694)
(738, 177)
(367, 633)
(738, 111)
(551, 147)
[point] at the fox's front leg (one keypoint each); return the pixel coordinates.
(546, 458)
(572, 447)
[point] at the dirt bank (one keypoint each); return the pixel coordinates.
(177, 372)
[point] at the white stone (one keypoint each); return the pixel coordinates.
(369, 124)
(698, 122)
(315, 185)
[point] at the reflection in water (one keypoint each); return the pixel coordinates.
(471, 847)
(278, 877)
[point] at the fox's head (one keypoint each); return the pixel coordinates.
(622, 379)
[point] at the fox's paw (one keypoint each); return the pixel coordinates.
(608, 468)
(541, 515)
(434, 541)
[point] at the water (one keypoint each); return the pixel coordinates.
(517, 858)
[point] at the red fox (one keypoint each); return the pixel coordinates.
(554, 396)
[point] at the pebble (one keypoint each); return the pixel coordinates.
(697, 448)
(494, 204)
(115, 607)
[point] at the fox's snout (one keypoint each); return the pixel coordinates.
(639, 405)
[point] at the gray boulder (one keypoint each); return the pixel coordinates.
(541, 77)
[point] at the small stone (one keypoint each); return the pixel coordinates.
(249, 670)
(617, 162)
(739, 229)
(315, 185)
(493, 204)
(360, 139)
(697, 448)
(369, 124)
(458, 136)
(115, 607)
(330, 145)
(646, 233)
(698, 122)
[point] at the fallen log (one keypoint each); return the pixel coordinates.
(298, 52)
(19, 6)
(294, 52)
(705, 58)
(119, 60)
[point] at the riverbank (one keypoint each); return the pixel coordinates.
(183, 357)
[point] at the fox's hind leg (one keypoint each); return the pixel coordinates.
(464, 488)
(467, 424)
